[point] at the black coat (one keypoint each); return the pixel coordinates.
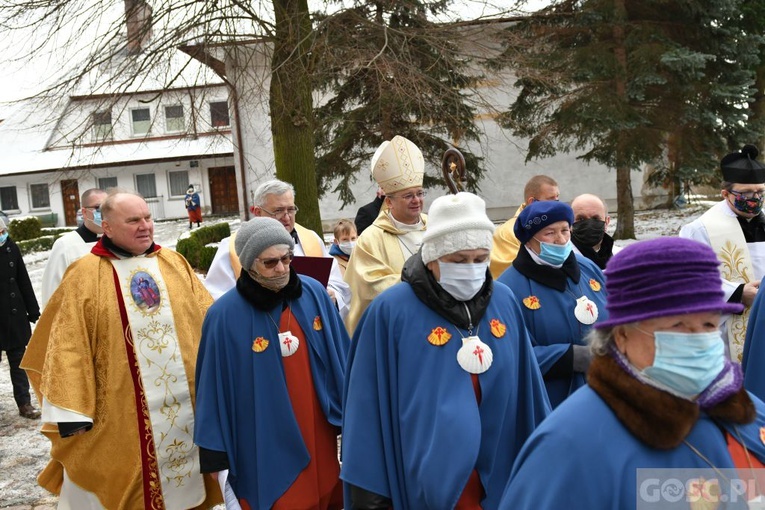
(18, 304)
(367, 214)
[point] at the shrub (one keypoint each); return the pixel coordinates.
(25, 228)
(38, 244)
(206, 257)
(212, 233)
(194, 248)
(190, 249)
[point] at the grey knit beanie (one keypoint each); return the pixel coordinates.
(257, 235)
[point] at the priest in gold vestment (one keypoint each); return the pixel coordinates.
(396, 234)
(112, 361)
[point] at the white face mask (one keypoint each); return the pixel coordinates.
(462, 281)
(346, 246)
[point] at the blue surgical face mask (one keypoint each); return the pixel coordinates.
(686, 363)
(3, 237)
(555, 254)
(462, 281)
(97, 218)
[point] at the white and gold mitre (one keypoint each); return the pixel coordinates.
(398, 164)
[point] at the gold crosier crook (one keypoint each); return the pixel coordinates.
(453, 168)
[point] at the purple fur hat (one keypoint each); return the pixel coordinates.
(661, 277)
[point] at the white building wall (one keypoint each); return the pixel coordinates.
(164, 206)
(75, 125)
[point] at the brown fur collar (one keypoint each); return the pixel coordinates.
(655, 417)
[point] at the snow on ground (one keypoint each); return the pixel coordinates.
(24, 451)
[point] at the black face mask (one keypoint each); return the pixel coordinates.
(588, 232)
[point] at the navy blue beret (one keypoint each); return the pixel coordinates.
(540, 214)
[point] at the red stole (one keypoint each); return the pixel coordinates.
(473, 493)
(745, 463)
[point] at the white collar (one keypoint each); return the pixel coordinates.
(405, 226)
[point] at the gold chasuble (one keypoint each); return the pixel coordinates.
(729, 244)
(117, 344)
(375, 264)
(308, 241)
(506, 246)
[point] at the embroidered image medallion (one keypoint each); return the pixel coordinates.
(145, 292)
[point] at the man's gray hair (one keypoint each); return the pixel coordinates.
(272, 187)
(600, 340)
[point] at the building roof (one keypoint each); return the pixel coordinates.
(26, 130)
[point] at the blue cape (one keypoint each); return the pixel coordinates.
(754, 348)
(583, 457)
(243, 406)
(335, 250)
(412, 429)
(552, 326)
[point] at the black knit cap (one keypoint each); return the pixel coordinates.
(742, 167)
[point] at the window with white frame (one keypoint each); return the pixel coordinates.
(105, 183)
(146, 185)
(174, 121)
(102, 125)
(219, 114)
(40, 196)
(8, 199)
(141, 119)
(179, 182)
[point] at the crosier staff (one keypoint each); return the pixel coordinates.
(455, 173)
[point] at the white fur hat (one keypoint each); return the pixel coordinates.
(456, 222)
(398, 164)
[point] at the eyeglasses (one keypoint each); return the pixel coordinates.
(281, 212)
(96, 208)
(271, 263)
(748, 194)
(411, 196)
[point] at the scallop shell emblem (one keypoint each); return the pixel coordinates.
(586, 311)
(474, 356)
(497, 328)
(317, 326)
(439, 336)
(259, 344)
(289, 343)
(532, 303)
(594, 284)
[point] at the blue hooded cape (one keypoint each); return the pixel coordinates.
(412, 429)
(754, 348)
(243, 407)
(583, 457)
(553, 326)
